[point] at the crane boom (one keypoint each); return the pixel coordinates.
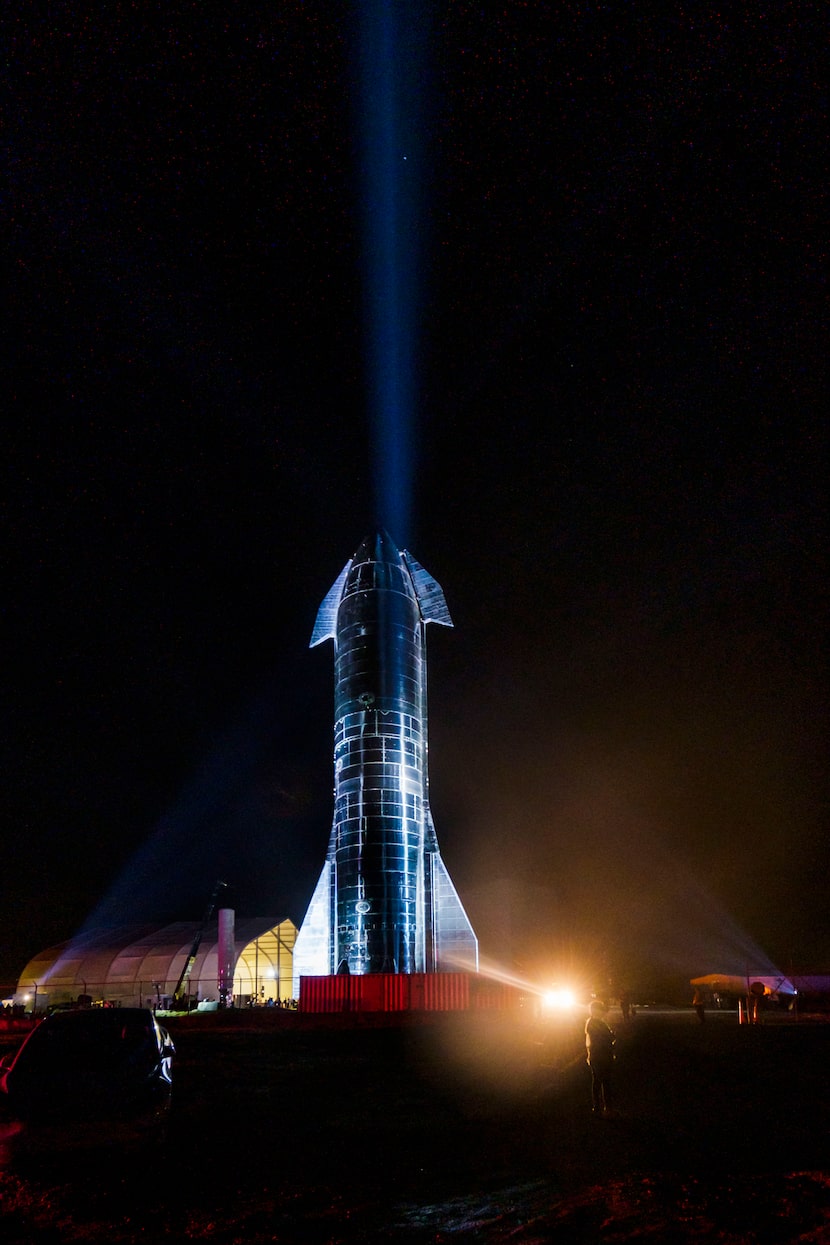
(180, 993)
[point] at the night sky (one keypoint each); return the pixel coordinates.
(617, 459)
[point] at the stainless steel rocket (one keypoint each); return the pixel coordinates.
(384, 902)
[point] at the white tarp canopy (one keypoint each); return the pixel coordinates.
(140, 965)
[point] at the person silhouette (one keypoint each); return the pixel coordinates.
(599, 1046)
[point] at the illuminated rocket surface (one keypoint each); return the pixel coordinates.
(384, 902)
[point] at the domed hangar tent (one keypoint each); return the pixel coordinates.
(137, 965)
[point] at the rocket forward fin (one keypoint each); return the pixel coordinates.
(430, 595)
(326, 623)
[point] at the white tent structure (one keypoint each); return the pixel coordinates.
(137, 965)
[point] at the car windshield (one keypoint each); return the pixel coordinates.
(71, 1039)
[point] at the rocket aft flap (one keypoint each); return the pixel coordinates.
(384, 902)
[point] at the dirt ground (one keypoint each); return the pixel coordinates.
(460, 1129)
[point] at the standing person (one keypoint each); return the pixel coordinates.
(599, 1044)
(698, 1004)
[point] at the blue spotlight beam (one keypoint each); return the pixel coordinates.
(391, 58)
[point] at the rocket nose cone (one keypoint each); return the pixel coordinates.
(379, 547)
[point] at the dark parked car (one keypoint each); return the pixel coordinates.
(88, 1076)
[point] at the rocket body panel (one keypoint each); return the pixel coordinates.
(386, 875)
(378, 764)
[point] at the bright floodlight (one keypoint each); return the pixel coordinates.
(559, 999)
